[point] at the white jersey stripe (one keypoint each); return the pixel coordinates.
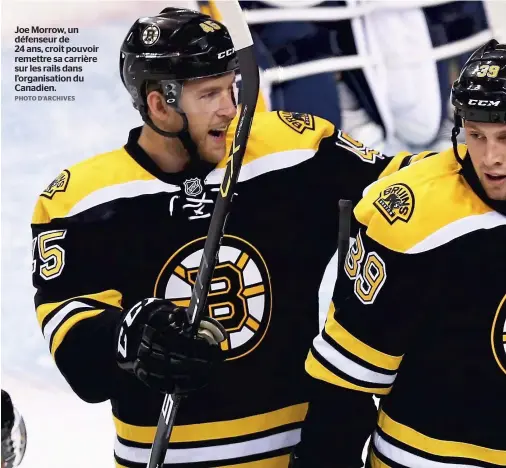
(405, 458)
(459, 228)
(60, 316)
(265, 164)
(215, 452)
(350, 367)
(131, 189)
(136, 188)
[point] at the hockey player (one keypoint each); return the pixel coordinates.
(419, 315)
(117, 241)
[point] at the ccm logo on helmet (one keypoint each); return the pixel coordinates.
(481, 102)
(227, 53)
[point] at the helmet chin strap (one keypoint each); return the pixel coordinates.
(455, 133)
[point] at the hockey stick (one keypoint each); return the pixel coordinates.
(243, 43)
(343, 239)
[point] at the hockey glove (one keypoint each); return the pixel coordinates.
(155, 344)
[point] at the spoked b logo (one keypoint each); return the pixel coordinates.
(240, 295)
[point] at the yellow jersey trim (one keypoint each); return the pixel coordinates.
(216, 430)
(318, 371)
(101, 171)
(269, 134)
(358, 348)
(110, 297)
(404, 208)
(68, 324)
(442, 448)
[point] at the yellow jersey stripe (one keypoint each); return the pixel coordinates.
(68, 324)
(276, 462)
(96, 174)
(358, 348)
(318, 371)
(375, 462)
(216, 430)
(442, 448)
(110, 297)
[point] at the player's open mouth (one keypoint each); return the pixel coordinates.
(217, 134)
(495, 177)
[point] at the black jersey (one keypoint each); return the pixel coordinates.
(114, 229)
(419, 317)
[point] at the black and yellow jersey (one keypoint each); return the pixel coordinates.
(418, 317)
(114, 229)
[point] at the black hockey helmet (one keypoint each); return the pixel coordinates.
(169, 48)
(479, 93)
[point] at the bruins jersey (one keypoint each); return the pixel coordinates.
(418, 317)
(114, 229)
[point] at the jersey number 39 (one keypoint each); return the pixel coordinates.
(369, 275)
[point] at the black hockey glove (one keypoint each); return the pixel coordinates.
(154, 343)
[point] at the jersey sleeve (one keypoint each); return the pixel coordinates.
(371, 319)
(375, 313)
(368, 325)
(358, 166)
(78, 298)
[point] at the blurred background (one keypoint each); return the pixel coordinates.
(381, 70)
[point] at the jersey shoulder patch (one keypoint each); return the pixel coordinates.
(83, 179)
(403, 210)
(297, 121)
(59, 184)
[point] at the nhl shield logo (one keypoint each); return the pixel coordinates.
(193, 187)
(151, 34)
(395, 202)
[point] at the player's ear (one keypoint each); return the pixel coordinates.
(157, 107)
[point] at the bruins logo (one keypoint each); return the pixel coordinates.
(499, 335)
(57, 185)
(396, 202)
(150, 35)
(297, 121)
(240, 295)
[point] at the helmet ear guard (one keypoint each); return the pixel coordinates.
(171, 90)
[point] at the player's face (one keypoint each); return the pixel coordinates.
(210, 107)
(486, 143)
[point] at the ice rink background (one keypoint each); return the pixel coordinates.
(38, 141)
